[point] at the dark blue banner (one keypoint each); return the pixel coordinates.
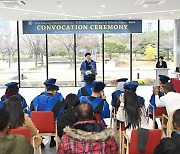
(82, 26)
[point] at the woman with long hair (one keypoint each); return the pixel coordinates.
(130, 112)
(19, 119)
(68, 118)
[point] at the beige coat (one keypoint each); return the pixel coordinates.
(33, 130)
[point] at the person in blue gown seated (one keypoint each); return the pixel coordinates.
(86, 90)
(49, 82)
(48, 102)
(13, 89)
(132, 85)
(116, 94)
(162, 80)
(98, 100)
(2, 104)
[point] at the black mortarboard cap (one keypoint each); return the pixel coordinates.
(98, 86)
(89, 78)
(164, 78)
(52, 86)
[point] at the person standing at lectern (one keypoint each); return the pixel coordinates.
(161, 63)
(88, 66)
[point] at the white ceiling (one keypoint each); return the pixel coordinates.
(89, 9)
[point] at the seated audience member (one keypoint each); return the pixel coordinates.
(86, 90)
(2, 104)
(87, 136)
(48, 102)
(131, 112)
(68, 118)
(13, 89)
(162, 80)
(171, 145)
(133, 86)
(18, 118)
(161, 63)
(49, 82)
(119, 90)
(97, 100)
(171, 100)
(10, 143)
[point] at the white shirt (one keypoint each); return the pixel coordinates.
(171, 101)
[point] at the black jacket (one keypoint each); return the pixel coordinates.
(164, 65)
(169, 145)
(68, 118)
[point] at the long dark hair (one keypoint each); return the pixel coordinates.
(16, 112)
(132, 109)
(71, 101)
(11, 91)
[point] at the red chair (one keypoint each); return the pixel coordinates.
(131, 145)
(44, 122)
(157, 113)
(22, 131)
(153, 140)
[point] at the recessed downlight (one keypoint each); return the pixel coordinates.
(103, 6)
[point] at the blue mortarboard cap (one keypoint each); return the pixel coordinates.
(50, 81)
(89, 78)
(122, 80)
(52, 86)
(164, 78)
(131, 85)
(98, 86)
(11, 84)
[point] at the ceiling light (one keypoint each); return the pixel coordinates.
(103, 5)
(63, 13)
(130, 17)
(172, 12)
(26, 13)
(160, 17)
(145, 5)
(60, 6)
(100, 12)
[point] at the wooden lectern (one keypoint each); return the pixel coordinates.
(160, 71)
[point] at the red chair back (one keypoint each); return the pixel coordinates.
(153, 140)
(160, 111)
(22, 131)
(98, 117)
(44, 121)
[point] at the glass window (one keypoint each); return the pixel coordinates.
(167, 43)
(61, 59)
(89, 43)
(116, 57)
(8, 52)
(145, 53)
(32, 59)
